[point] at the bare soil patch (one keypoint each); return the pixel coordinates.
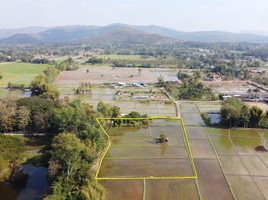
(99, 75)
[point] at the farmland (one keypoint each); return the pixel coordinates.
(21, 73)
(224, 159)
(143, 157)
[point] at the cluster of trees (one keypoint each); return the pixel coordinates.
(235, 113)
(13, 117)
(15, 86)
(84, 88)
(190, 89)
(42, 84)
(73, 151)
(11, 149)
(71, 173)
(68, 65)
(94, 60)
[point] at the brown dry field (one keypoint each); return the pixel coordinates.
(109, 75)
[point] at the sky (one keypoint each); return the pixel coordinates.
(182, 15)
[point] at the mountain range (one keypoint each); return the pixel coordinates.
(120, 33)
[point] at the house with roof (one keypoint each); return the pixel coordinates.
(255, 71)
(215, 77)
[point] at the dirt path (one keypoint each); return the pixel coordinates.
(178, 109)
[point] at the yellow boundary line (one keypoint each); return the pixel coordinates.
(192, 161)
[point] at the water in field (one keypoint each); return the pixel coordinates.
(215, 118)
(26, 182)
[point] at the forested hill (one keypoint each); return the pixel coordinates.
(79, 32)
(129, 35)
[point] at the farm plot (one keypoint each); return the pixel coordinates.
(170, 130)
(211, 182)
(135, 154)
(193, 119)
(246, 146)
(244, 187)
(208, 107)
(147, 152)
(195, 132)
(99, 75)
(223, 145)
(146, 168)
(262, 182)
(123, 189)
(244, 133)
(230, 87)
(201, 149)
(233, 165)
(189, 108)
(217, 131)
(171, 189)
(129, 131)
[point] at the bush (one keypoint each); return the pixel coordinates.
(206, 118)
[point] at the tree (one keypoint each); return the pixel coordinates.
(197, 74)
(256, 116)
(185, 82)
(256, 90)
(140, 70)
(1, 76)
(231, 111)
(67, 150)
(23, 118)
(115, 111)
(11, 149)
(245, 115)
(104, 108)
(250, 92)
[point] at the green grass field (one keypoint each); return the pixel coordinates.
(21, 73)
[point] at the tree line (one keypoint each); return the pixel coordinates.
(235, 113)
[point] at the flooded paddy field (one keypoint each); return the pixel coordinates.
(195, 132)
(193, 119)
(221, 157)
(123, 189)
(211, 182)
(244, 187)
(170, 130)
(146, 168)
(201, 149)
(233, 165)
(246, 146)
(189, 108)
(223, 145)
(209, 107)
(129, 131)
(171, 189)
(147, 152)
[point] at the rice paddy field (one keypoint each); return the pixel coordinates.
(227, 165)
